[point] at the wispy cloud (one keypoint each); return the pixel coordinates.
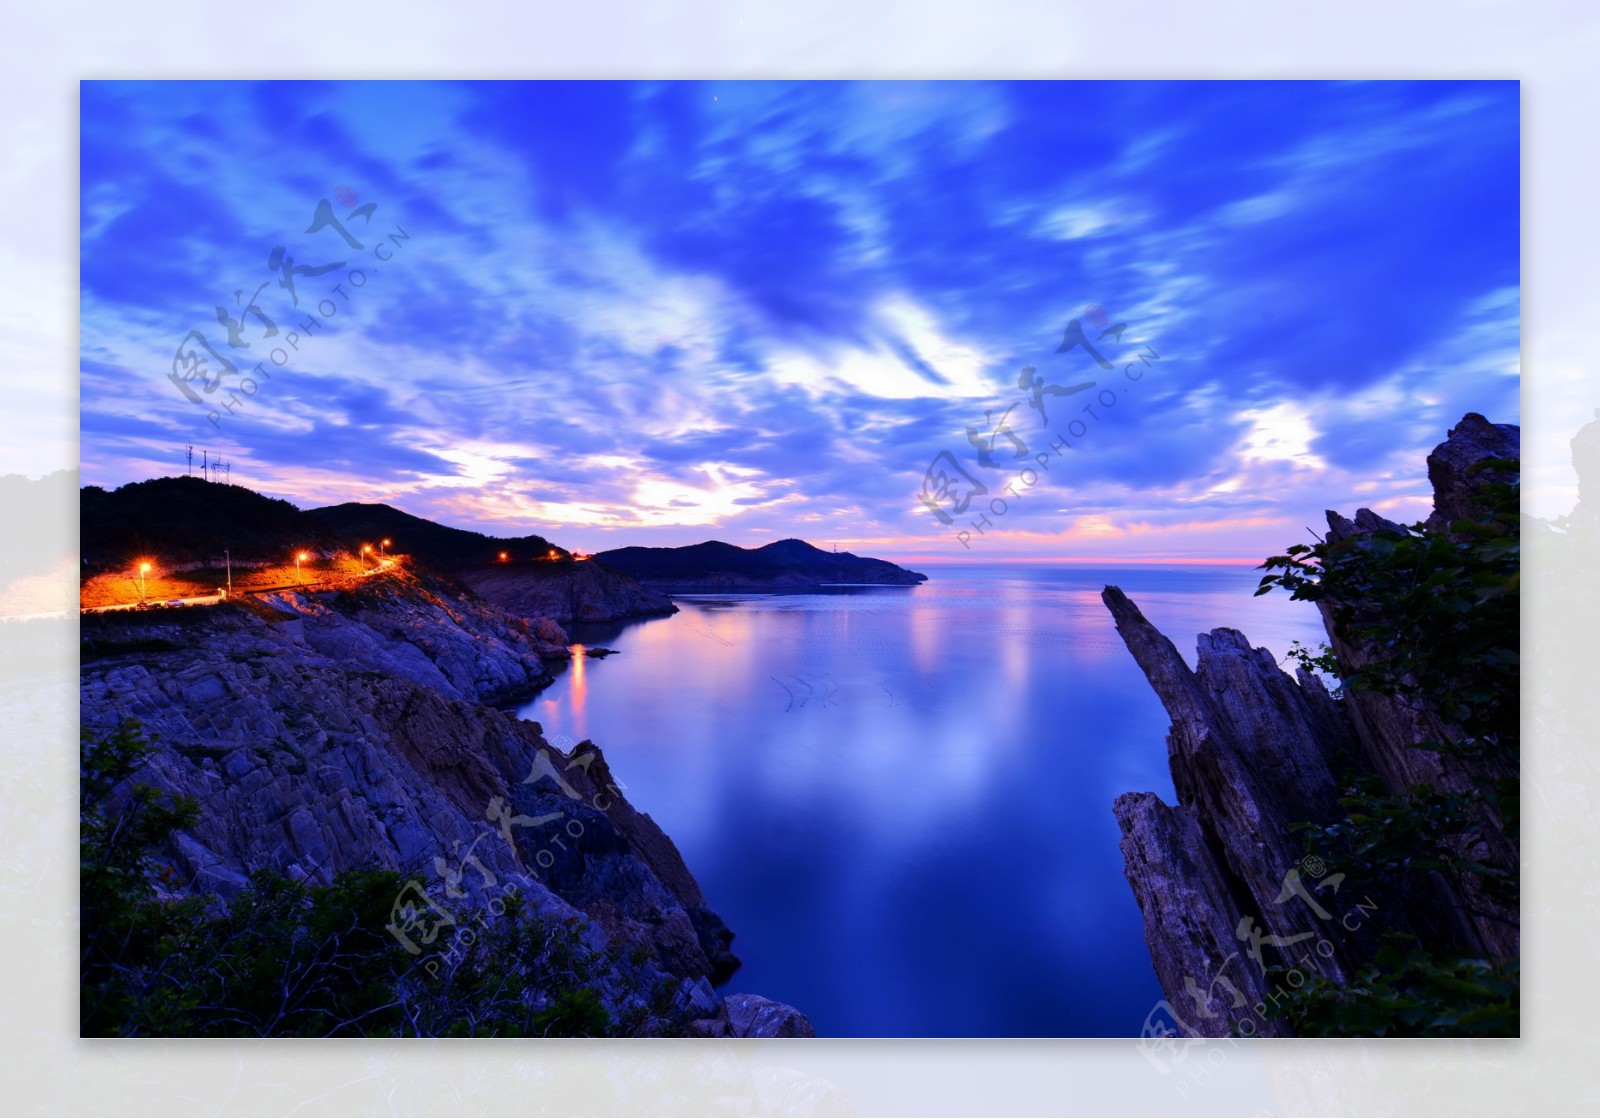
(663, 312)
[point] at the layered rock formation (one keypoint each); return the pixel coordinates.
(1252, 752)
(329, 732)
(567, 591)
(1221, 877)
(1464, 462)
(1390, 726)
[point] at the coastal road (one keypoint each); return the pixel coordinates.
(213, 599)
(202, 600)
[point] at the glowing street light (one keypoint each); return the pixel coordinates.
(298, 556)
(143, 569)
(504, 557)
(383, 546)
(366, 549)
(552, 553)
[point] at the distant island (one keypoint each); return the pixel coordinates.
(784, 565)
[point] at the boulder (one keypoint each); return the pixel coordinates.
(754, 1016)
(1454, 466)
(550, 632)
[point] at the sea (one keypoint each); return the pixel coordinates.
(899, 798)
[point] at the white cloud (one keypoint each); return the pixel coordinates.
(1076, 221)
(1282, 433)
(880, 371)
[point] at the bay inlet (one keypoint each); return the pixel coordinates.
(899, 798)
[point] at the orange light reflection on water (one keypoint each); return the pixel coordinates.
(580, 693)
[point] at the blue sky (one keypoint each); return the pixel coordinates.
(660, 313)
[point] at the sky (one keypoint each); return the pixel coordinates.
(661, 313)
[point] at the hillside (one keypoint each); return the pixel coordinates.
(566, 591)
(181, 526)
(181, 521)
(781, 565)
(345, 748)
(439, 546)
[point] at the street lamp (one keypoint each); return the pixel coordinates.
(143, 568)
(552, 553)
(365, 550)
(383, 546)
(298, 556)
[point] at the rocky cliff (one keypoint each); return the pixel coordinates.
(566, 591)
(1391, 726)
(352, 729)
(1223, 878)
(1252, 752)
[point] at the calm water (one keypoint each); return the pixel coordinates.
(900, 798)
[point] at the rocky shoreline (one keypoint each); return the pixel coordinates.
(566, 592)
(1223, 878)
(329, 732)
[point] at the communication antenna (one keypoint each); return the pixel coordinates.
(205, 465)
(188, 471)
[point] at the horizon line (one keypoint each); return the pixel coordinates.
(1102, 561)
(929, 560)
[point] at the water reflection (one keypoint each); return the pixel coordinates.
(900, 798)
(578, 692)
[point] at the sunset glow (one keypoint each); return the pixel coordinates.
(773, 324)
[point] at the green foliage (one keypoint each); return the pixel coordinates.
(1390, 838)
(1409, 991)
(283, 958)
(1441, 609)
(1435, 618)
(116, 866)
(1320, 661)
(574, 1012)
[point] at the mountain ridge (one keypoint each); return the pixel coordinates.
(786, 564)
(440, 545)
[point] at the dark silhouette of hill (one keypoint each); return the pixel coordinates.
(439, 546)
(188, 520)
(783, 564)
(191, 520)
